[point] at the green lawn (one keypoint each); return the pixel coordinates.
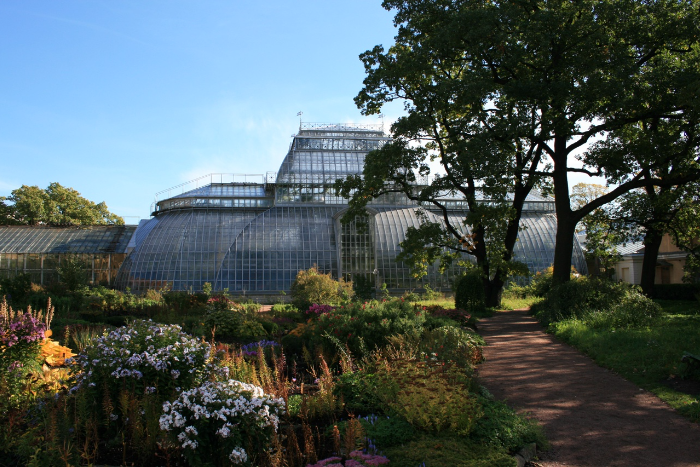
(649, 357)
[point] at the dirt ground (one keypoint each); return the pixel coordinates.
(592, 417)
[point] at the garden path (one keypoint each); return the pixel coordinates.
(591, 416)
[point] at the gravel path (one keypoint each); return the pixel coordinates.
(592, 417)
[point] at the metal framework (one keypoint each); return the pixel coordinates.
(253, 237)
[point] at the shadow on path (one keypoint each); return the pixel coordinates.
(591, 416)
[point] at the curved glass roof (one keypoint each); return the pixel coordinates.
(255, 237)
(73, 239)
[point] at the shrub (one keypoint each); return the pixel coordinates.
(220, 423)
(355, 459)
(311, 287)
(73, 273)
(674, 291)
(431, 294)
(450, 344)
(430, 396)
(469, 292)
(363, 327)
(435, 450)
(604, 302)
(502, 427)
(359, 392)
(387, 431)
(16, 289)
(635, 311)
(149, 358)
(462, 317)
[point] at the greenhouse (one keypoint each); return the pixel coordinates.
(40, 250)
(252, 234)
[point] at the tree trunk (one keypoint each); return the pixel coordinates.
(493, 291)
(566, 218)
(652, 243)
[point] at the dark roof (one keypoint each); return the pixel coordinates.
(73, 239)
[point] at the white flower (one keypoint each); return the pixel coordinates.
(238, 456)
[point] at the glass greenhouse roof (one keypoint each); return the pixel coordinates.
(230, 190)
(252, 234)
(322, 153)
(74, 239)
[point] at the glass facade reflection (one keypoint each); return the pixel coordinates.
(253, 238)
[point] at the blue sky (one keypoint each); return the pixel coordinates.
(122, 99)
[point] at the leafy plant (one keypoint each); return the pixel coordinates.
(502, 427)
(433, 397)
(469, 292)
(604, 302)
(312, 286)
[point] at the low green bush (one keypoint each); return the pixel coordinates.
(387, 431)
(451, 344)
(312, 286)
(442, 451)
(469, 292)
(502, 427)
(604, 302)
(363, 327)
(359, 392)
(674, 291)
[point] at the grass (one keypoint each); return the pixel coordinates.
(648, 357)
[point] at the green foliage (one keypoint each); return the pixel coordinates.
(73, 273)
(16, 289)
(55, 205)
(359, 392)
(439, 451)
(674, 291)
(451, 344)
(431, 294)
(365, 326)
(363, 286)
(233, 325)
(311, 287)
(431, 396)
(502, 427)
(599, 301)
(469, 292)
(388, 431)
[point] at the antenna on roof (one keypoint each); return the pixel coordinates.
(382, 117)
(299, 115)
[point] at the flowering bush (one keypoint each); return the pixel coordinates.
(317, 310)
(148, 357)
(21, 334)
(221, 303)
(222, 422)
(357, 459)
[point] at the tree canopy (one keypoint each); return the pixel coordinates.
(55, 205)
(512, 93)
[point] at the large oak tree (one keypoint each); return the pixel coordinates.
(535, 79)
